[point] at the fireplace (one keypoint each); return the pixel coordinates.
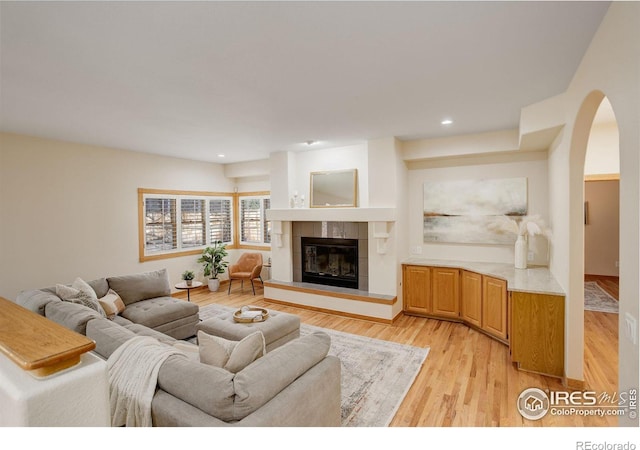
(330, 261)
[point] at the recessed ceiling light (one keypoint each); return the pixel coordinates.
(220, 155)
(446, 122)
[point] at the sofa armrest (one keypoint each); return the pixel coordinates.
(312, 400)
(255, 273)
(71, 315)
(263, 379)
(36, 300)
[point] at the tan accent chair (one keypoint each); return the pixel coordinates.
(248, 267)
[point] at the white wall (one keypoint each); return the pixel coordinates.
(603, 155)
(610, 67)
(252, 184)
(351, 157)
(531, 165)
(71, 210)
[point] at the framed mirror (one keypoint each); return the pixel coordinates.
(334, 189)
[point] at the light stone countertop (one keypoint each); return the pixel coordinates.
(538, 280)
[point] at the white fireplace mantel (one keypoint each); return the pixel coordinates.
(333, 214)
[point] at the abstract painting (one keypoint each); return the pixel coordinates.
(462, 211)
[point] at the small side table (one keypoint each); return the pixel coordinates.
(183, 285)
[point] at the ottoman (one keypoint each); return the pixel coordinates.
(278, 329)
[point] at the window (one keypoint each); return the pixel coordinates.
(255, 229)
(220, 220)
(160, 224)
(176, 223)
(193, 221)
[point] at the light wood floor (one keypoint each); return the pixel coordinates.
(467, 380)
(611, 285)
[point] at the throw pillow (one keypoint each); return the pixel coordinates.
(81, 293)
(83, 286)
(112, 304)
(230, 355)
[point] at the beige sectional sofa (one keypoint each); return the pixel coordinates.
(297, 384)
(147, 297)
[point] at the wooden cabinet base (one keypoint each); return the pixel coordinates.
(537, 333)
(531, 324)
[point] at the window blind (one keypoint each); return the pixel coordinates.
(193, 225)
(220, 220)
(266, 223)
(250, 220)
(160, 224)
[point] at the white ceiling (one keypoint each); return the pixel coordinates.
(244, 79)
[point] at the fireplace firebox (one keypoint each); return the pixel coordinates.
(329, 261)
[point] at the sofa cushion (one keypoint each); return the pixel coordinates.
(107, 335)
(143, 286)
(71, 315)
(262, 380)
(100, 286)
(230, 355)
(141, 330)
(192, 351)
(112, 304)
(158, 311)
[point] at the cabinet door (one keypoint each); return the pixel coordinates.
(494, 307)
(471, 298)
(445, 293)
(417, 289)
(537, 340)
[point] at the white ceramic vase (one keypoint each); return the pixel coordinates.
(214, 284)
(521, 253)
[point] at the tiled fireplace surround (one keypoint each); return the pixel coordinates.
(340, 230)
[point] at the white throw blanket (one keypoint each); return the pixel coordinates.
(133, 375)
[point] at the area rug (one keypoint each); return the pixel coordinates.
(376, 374)
(596, 299)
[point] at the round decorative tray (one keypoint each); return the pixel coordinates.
(249, 314)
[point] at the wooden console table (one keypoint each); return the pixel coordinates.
(37, 344)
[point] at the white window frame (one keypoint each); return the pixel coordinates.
(263, 221)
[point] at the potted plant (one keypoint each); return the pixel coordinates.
(214, 264)
(188, 276)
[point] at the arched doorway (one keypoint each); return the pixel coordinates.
(601, 249)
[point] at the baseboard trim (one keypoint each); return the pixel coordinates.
(577, 385)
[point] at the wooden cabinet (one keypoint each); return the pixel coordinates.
(471, 299)
(416, 281)
(531, 324)
(445, 293)
(494, 307)
(483, 303)
(537, 332)
(431, 291)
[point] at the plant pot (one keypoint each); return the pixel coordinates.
(189, 282)
(214, 284)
